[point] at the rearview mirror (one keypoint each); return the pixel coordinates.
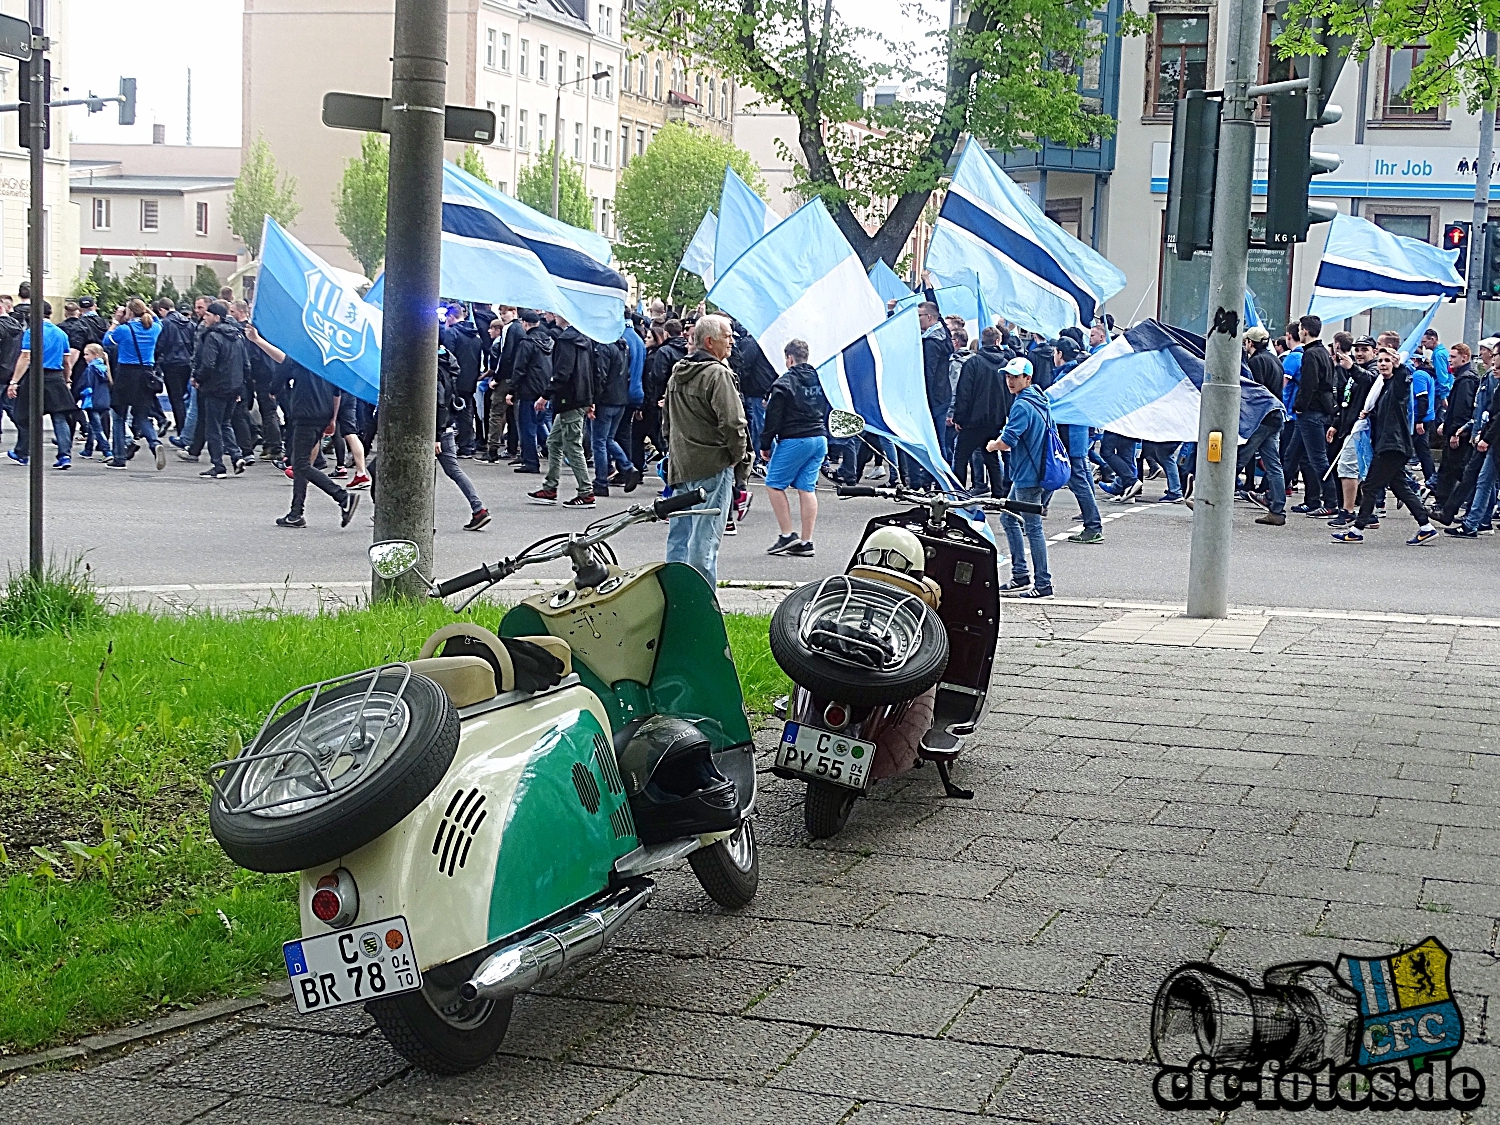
(845, 424)
(394, 557)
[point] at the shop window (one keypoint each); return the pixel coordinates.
(1179, 61)
(1399, 64)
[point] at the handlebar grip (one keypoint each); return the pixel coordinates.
(483, 573)
(1023, 507)
(856, 490)
(661, 509)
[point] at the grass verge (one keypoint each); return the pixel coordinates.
(115, 902)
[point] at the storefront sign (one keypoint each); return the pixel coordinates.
(1368, 172)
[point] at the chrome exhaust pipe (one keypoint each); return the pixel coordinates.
(527, 963)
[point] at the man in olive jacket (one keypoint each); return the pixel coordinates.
(704, 424)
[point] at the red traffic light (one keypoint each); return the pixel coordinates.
(1455, 236)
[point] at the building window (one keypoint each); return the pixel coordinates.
(698, 90)
(101, 213)
(578, 61)
(594, 152)
(1179, 60)
(541, 131)
(656, 82)
(641, 81)
(607, 214)
(578, 141)
(562, 67)
(711, 99)
(541, 62)
(1405, 224)
(724, 100)
(609, 146)
(640, 141)
(629, 72)
(491, 48)
(594, 203)
(609, 83)
(525, 64)
(150, 218)
(147, 268)
(502, 126)
(505, 51)
(504, 187)
(606, 21)
(522, 140)
(200, 218)
(1399, 63)
(624, 146)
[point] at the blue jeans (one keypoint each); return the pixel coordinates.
(947, 435)
(755, 420)
(1033, 534)
(1265, 441)
(1119, 454)
(695, 539)
(96, 435)
(1164, 453)
(533, 427)
(140, 421)
(844, 452)
(1482, 506)
(61, 431)
(1312, 435)
(606, 422)
(1081, 483)
(447, 459)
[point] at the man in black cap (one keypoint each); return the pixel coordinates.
(531, 375)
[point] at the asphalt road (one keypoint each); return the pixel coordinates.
(140, 527)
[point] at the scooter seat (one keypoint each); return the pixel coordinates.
(464, 639)
(467, 680)
(924, 587)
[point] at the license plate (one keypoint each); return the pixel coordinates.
(826, 756)
(354, 965)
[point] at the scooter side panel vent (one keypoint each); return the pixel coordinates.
(619, 820)
(458, 830)
(588, 788)
(604, 757)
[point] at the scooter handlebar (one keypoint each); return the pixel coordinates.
(857, 490)
(661, 509)
(483, 573)
(1021, 506)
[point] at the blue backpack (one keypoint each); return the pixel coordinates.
(1057, 469)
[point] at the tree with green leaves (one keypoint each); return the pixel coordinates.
(257, 194)
(140, 281)
(205, 284)
(661, 200)
(1006, 74)
(169, 291)
(471, 162)
(534, 188)
(361, 202)
(1453, 68)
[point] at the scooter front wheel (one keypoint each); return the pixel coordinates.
(730, 869)
(440, 1032)
(826, 809)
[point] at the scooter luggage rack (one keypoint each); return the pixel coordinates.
(218, 773)
(885, 661)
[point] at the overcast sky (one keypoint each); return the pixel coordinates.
(106, 41)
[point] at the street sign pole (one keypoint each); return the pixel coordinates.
(1473, 304)
(1219, 412)
(414, 231)
(36, 244)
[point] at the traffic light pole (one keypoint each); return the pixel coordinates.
(414, 232)
(1473, 305)
(36, 243)
(1219, 412)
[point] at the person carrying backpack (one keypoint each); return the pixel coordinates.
(1028, 437)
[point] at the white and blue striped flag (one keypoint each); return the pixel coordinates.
(1031, 271)
(1145, 384)
(879, 377)
(887, 284)
(699, 256)
(743, 218)
(800, 281)
(500, 251)
(1365, 268)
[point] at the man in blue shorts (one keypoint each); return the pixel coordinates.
(796, 421)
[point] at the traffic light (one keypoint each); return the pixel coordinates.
(1190, 183)
(1291, 166)
(1456, 237)
(1489, 277)
(25, 100)
(127, 101)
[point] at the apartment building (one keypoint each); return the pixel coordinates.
(659, 86)
(512, 56)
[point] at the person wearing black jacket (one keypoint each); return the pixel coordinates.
(755, 376)
(937, 348)
(611, 403)
(796, 424)
(219, 374)
(465, 345)
(658, 370)
(571, 395)
(1314, 406)
(1352, 387)
(530, 376)
(1391, 439)
(504, 333)
(450, 405)
(980, 408)
(174, 360)
(1457, 423)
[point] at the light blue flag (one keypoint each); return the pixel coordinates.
(500, 251)
(800, 281)
(743, 218)
(1364, 268)
(305, 310)
(879, 377)
(699, 256)
(910, 301)
(964, 301)
(1030, 271)
(1252, 317)
(1413, 339)
(887, 284)
(1146, 384)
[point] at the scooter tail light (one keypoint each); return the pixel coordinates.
(335, 902)
(836, 715)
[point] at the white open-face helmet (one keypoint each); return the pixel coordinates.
(894, 548)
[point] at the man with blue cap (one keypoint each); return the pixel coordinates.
(1025, 439)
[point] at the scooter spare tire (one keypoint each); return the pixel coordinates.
(406, 749)
(860, 687)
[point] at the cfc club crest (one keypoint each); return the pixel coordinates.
(335, 318)
(1406, 1007)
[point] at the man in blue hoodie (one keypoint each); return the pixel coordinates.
(1025, 439)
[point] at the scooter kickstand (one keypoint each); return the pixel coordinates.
(949, 789)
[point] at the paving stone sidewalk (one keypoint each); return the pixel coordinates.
(1333, 788)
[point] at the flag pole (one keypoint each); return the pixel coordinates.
(1473, 306)
(673, 286)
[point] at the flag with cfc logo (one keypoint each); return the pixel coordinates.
(1406, 1005)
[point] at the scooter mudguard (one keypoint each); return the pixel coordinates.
(528, 821)
(648, 641)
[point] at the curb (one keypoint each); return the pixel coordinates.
(97, 1048)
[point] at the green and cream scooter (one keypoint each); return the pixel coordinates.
(473, 821)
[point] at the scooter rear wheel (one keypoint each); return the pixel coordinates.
(730, 869)
(826, 808)
(440, 1033)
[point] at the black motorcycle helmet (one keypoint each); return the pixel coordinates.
(674, 788)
